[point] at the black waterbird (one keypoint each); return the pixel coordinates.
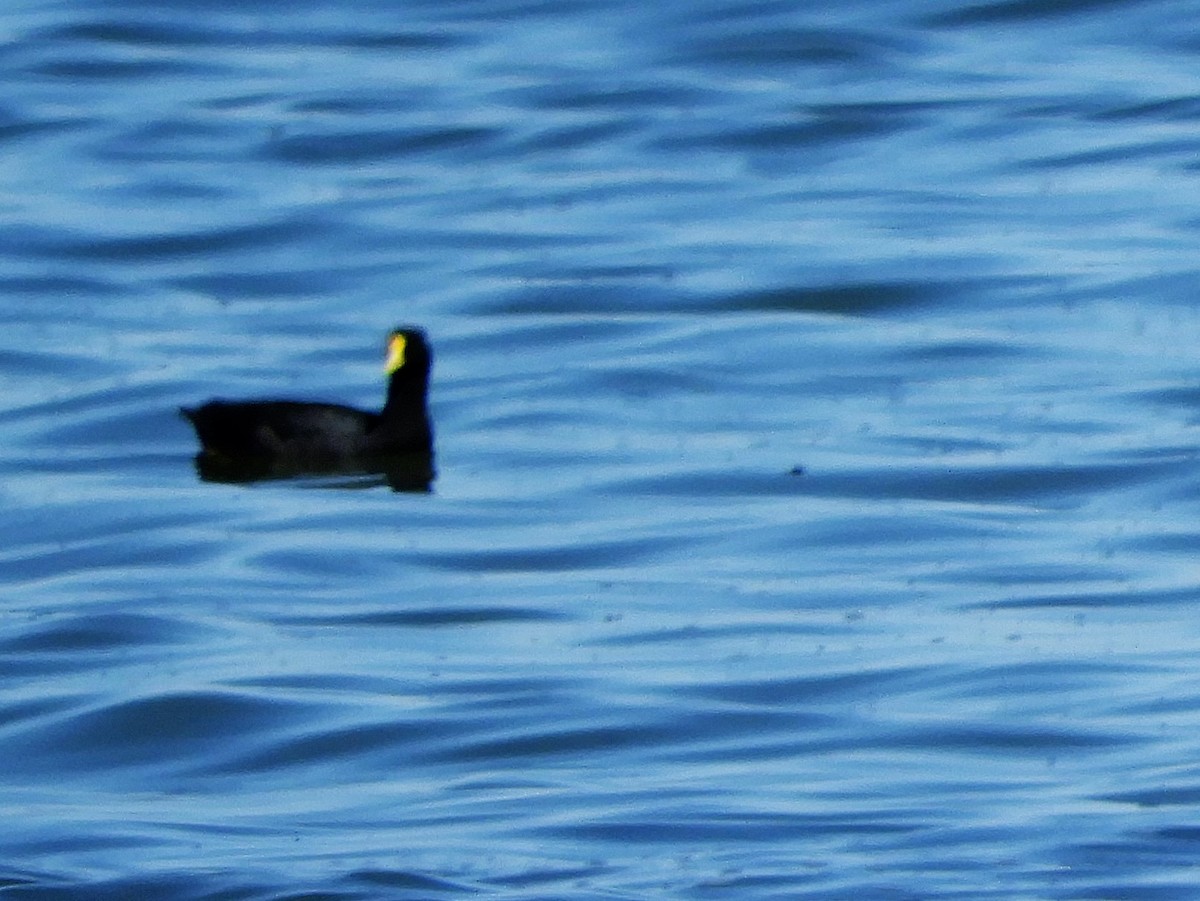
(243, 441)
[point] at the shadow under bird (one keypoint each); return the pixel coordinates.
(250, 440)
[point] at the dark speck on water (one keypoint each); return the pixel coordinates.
(944, 254)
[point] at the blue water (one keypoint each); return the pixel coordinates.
(817, 402)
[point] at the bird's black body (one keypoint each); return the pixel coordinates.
(288, 437)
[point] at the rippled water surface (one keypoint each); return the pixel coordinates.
(817, 402)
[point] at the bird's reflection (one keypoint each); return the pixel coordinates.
(409, 472)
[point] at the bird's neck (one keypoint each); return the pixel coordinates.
(406, 395)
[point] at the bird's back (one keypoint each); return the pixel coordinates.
(281, 428)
